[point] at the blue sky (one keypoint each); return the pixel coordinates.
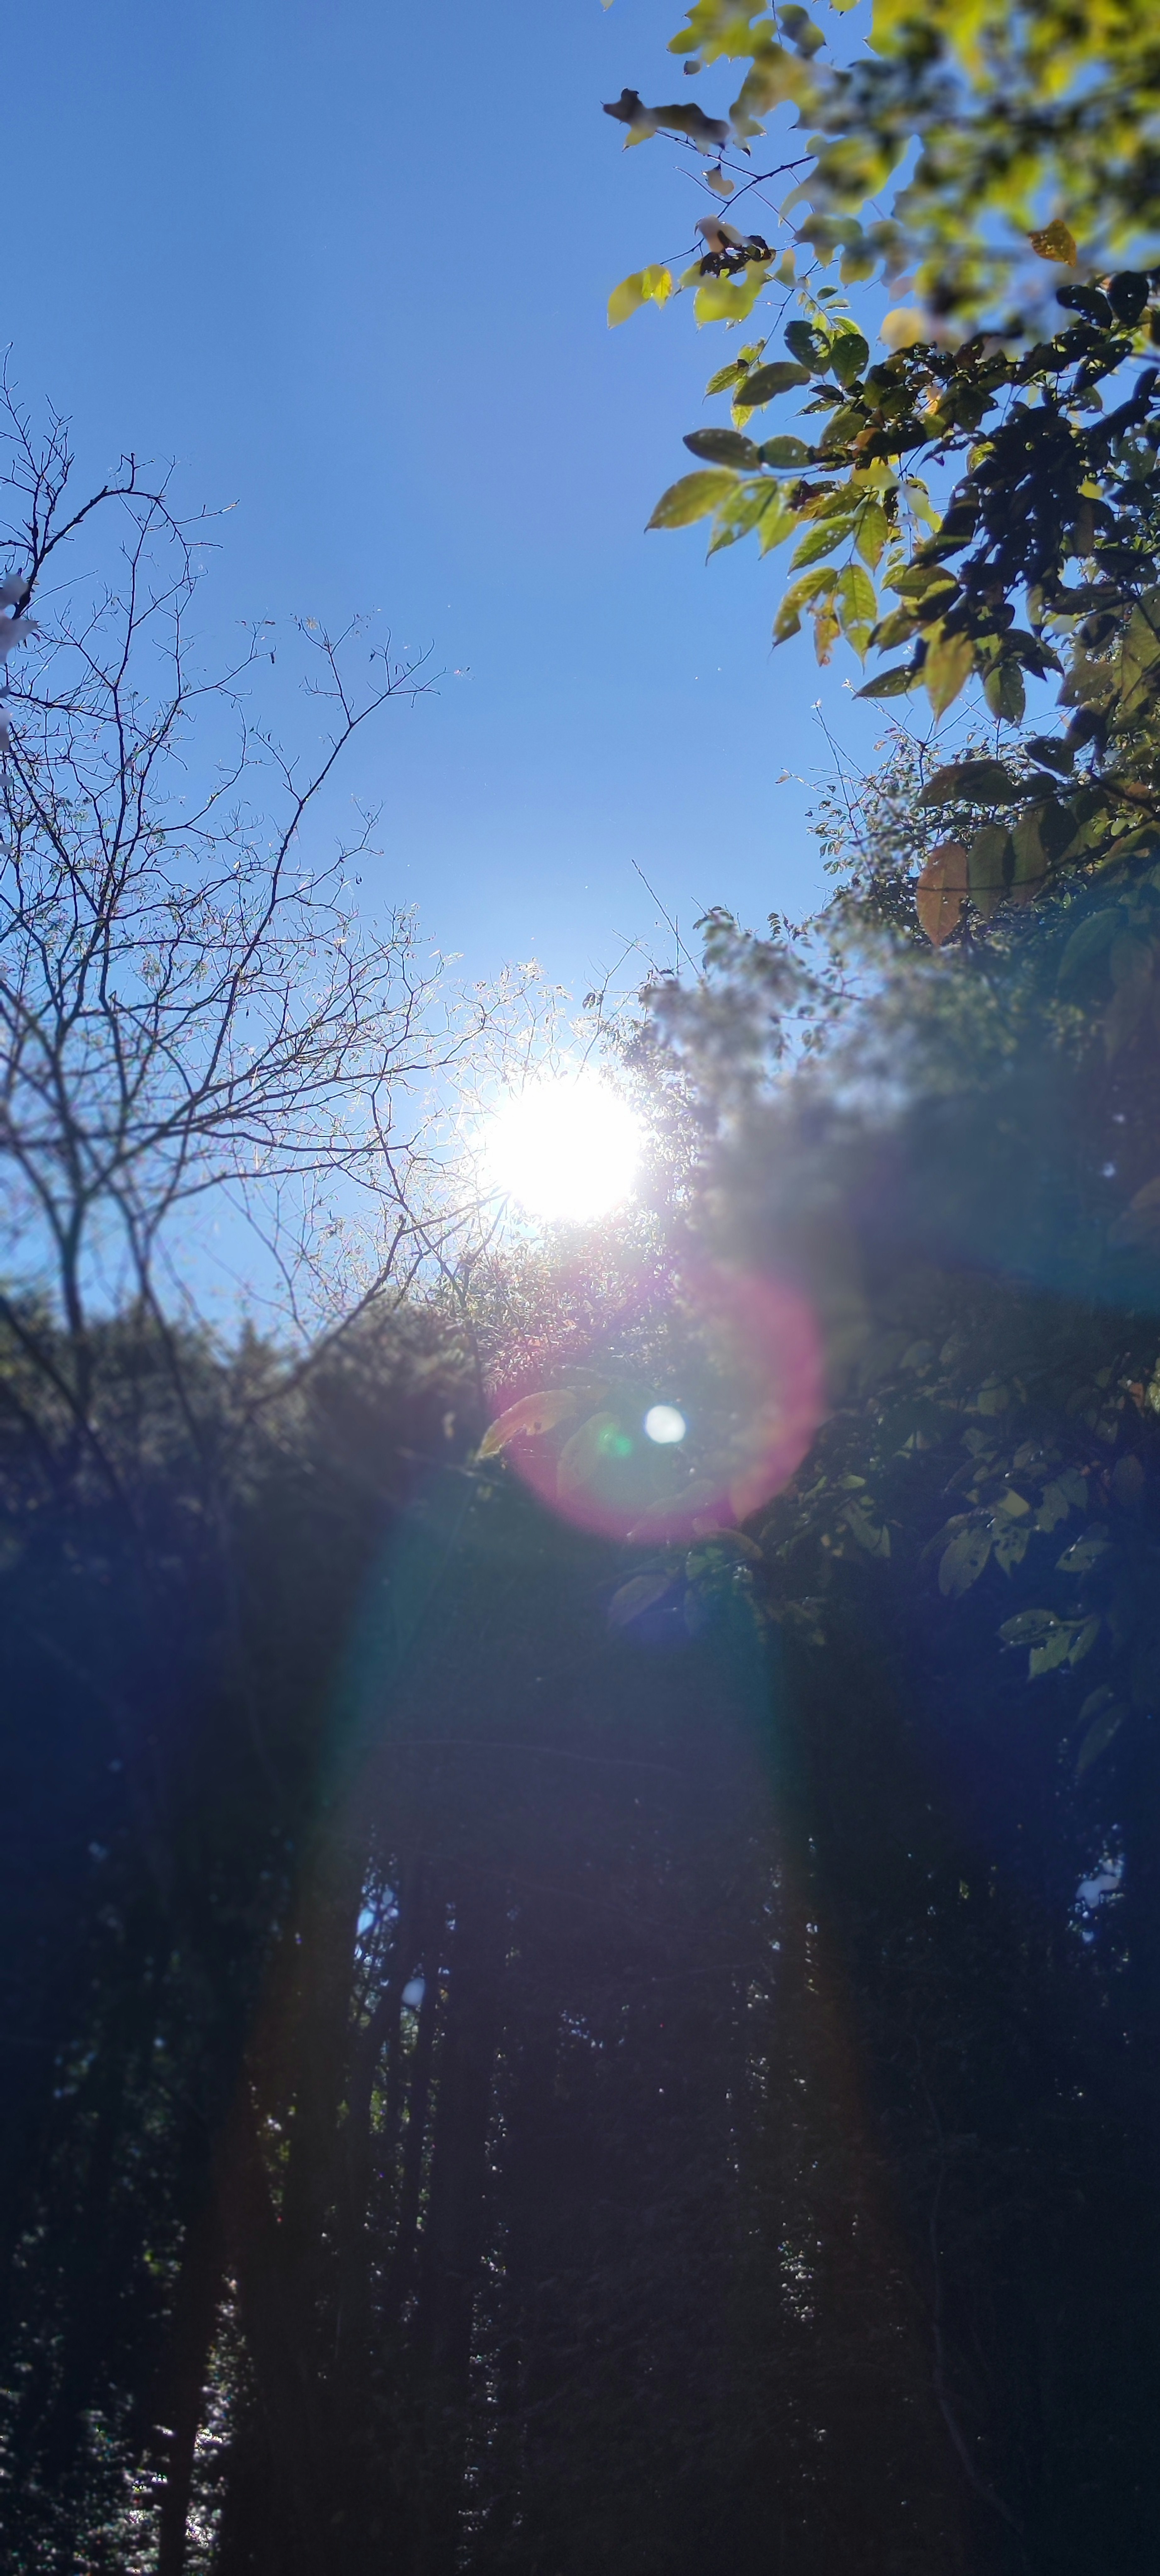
(348, 265)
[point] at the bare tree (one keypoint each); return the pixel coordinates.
(207, 1055)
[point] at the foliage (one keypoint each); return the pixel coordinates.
(1029, 125)
(1038, 554)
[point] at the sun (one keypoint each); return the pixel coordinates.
(566, 1147)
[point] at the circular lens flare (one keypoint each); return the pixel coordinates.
(608, 1461)
(566, 1147)
(665, 1425)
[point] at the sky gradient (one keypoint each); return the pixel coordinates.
(348, 265)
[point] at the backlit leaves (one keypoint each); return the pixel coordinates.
(765, 382)
(692, 498)
(648, 286)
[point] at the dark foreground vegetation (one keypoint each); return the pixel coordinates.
(492, 2084)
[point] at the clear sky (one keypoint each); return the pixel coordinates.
(348, 264)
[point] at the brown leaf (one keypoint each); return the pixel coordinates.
(942, 891)
(1055, 242)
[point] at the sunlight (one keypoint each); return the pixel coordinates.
(566, 1147)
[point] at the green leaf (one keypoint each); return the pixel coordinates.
(1083, 1643)
(1026, 1626)
(963, 1562)
(766, 382)
(776, 523)
(723, 447)
(1030, 866)
(1106, 1714)
(1053, 1508)
(1054, 1651)
(856, 603)
(753, 506)
(849, 357)
(692, 498)
(1089, 942)
(812, 586)
(896, 629)
(870, 1534)
(785, 452)
(891, 684)
(1011, 1543)
(731, 378)
(810, 346)
(1128, 295)
(1004, 691)
(1083, 1553)
(873, 530)
(823, 538)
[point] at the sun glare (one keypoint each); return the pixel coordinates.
(565, 1147)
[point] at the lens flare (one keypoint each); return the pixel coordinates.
(649, 1472)
(566, 1147)
(665, 1425)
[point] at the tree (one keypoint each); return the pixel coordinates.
(1038, 485)
(209, 1058)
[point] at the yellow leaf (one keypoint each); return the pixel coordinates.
(693, 498)
(988, 861)
(649, 286)
(1055, 242)
(904, 327)
(731, 299)
(946, 670)
(941, 891)
(528, 1420)
(873, 530)
(826, 632)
